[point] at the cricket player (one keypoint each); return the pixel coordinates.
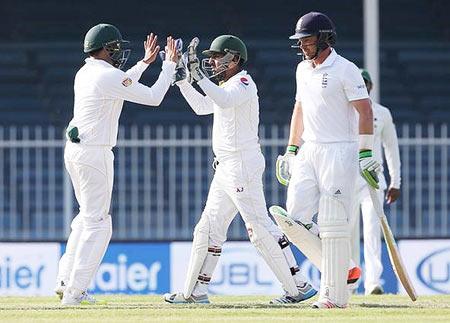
(384, 134)
(322, 171)
(100, 90)
(237, 184)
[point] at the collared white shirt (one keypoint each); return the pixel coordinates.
(236, 112)
(100, 90)
(325, 93)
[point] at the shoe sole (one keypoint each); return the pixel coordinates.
(307, 296)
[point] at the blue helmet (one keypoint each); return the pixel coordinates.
(316, 24)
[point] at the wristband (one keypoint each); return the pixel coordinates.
(366, 142)
(292, 149)
(365, 153)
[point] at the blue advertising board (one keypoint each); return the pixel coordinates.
(133, 268)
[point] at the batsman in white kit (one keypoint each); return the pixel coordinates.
(386, 135)
(321, 173)
(100, 88)
(237, 184)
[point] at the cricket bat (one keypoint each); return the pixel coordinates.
(394, 254)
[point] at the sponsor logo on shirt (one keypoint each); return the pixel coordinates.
(361, 86)
(244, 81)
(127, 82)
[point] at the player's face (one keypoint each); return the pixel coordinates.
(308, 45)
(214, 60)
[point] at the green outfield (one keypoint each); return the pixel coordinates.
(122, 308)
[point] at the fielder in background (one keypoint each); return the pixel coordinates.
(237, 185)
(100, 90)
(384, 134)
(322, 172)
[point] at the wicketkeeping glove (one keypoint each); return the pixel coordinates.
(369, 168)
(283, 165)
(193, 63)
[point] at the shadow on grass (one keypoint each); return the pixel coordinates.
(156, 306)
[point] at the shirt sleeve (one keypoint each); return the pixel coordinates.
(120, 85)
(354, 86)
(297, 80)
(231, 95)
(391, 150)
(199, 103)
(136, 71)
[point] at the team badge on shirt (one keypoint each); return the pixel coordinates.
(324, 80)
(127, 82)
(244, 81)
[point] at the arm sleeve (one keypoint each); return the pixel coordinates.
(119, 85)
(231, 95)
(297, 80)
(391, 150)
(136, 71)
(199, 103)
(353, 83)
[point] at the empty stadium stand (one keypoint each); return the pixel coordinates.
(41, 52)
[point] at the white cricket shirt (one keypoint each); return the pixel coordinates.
(100, 90)
(236, 112)
(325, 93)
(385, 135)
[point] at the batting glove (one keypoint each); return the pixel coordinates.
(369, 168)
(283, 165)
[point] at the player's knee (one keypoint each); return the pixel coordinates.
(333, 218)
(103, 223)
(77, 223)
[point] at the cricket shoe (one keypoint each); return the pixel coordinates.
(60, 289)
(305, 292)
(354, 275)
(71, 299)
(377, 290)
(178, 298)
(326, 304)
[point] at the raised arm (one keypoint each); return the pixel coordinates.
(151, 50)
(225, 97)
(119, 85)
(199, 103)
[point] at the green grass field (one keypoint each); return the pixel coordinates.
(122, 308)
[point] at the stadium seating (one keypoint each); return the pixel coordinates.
(40, 58)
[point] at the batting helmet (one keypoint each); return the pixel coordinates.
(109, 37)
(365, 75)
(227, 44)
(316, 24)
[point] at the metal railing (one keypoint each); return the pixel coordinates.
(162, 177)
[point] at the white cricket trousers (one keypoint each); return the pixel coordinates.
(91, 172)
(237, 187)
(323, 182)
(372, 236)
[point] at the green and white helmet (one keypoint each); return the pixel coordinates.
(108, 37)
(229, 45)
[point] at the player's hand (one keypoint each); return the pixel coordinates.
(171, 53)
(193, 63)
(369, 168)
(283, 165)
(151, 49)
(392, 195)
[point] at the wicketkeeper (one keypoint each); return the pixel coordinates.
(237, 185)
